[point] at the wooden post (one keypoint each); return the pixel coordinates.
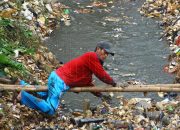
(86, 105)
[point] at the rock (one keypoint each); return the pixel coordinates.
(144, 104)
(165, 121)
(155, 115)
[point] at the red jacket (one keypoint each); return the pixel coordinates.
(78, 72)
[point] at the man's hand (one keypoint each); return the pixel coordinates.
(114, 84)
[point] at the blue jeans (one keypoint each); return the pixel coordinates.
(50, 103)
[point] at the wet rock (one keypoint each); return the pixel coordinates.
(144, 104)
(155, 115)
(165, 121)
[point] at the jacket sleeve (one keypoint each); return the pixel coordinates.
(95, 66)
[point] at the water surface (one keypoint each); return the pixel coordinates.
(139, 54)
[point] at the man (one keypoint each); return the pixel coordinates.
(75, 73)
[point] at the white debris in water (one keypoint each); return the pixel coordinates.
(128, 75)
(116, 69)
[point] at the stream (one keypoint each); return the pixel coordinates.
(139, 55)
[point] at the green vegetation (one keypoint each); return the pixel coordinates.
(15, 36)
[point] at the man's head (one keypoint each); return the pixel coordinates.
(103, 49)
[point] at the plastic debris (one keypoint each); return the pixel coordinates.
(81, 122)
(44, 14)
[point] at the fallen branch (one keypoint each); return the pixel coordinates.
(130, 88)
(6, 80)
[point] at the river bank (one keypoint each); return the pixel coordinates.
(167, 12)
(24, 27)
(142, 113)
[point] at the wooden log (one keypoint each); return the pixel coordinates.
(5, 80)
(130, 88)
(127, 89)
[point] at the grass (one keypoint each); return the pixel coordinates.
(15, 36)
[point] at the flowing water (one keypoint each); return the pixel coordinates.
(139, 55)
